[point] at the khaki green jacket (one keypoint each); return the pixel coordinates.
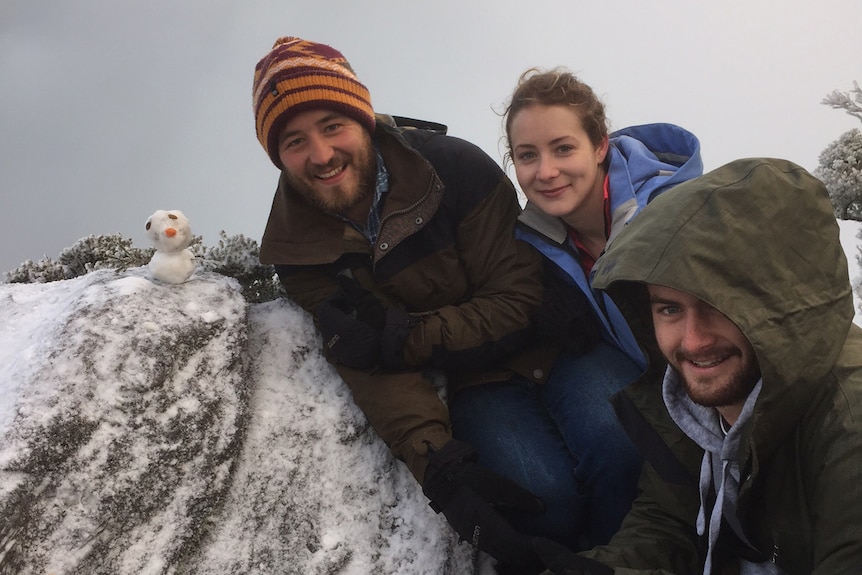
(447, 254)
(758, 241)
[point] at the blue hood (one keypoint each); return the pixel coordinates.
(645, 161)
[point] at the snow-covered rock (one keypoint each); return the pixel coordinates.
(148, 428)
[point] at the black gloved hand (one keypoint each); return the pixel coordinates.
(561, 560)
(470, 496)
(395, 331)
(359, 331)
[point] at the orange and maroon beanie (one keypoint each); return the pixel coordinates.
(299, 75)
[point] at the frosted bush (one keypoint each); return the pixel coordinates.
(840, 170)
(234, 256)
(237, 257)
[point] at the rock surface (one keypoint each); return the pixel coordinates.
(153, 428)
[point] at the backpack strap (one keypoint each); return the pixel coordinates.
(405, 123)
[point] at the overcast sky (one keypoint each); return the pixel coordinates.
(111, 110)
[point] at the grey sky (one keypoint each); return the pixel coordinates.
(111, 110)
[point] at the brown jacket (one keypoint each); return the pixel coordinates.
(447, 254)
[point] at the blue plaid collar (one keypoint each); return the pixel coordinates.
(371, 230)
(372, 227)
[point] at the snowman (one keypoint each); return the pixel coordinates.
(170, 234)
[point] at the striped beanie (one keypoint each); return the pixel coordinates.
(299, 75)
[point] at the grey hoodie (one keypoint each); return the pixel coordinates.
(719, 472)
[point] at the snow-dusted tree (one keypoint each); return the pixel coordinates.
(840, 169)
(840, 166)
(237, 257)
(849, 102)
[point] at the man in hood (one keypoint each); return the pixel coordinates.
(753, 437)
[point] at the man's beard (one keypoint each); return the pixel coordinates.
(731, 389)
(339, 200)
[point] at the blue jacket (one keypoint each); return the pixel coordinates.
(644, 161)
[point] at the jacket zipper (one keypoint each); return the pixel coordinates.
(408, 209)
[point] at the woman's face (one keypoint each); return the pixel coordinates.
(557, 166)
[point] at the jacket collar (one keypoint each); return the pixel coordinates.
(549, 226)
(299, 234)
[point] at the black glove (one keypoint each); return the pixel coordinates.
(359, 331)
(561, 560)
(396, 328)
(470, 495)
(565, 317)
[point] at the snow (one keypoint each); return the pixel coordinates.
(851, 243)
(155, 428)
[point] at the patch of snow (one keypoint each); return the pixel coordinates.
(851, 244)
(154, 428)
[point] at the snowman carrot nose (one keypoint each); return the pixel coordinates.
(170, 232)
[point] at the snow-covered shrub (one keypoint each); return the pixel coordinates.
(102, 252)
(84, 256)
(840, 169)
(30, 272)
(237, 257)
(234, 256)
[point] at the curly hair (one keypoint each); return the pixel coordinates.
(557, 87)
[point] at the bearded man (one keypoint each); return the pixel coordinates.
(752, 438)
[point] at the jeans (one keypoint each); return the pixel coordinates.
(561, 441)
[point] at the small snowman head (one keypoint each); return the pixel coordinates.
(169, 230)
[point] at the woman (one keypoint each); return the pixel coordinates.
(581, 185)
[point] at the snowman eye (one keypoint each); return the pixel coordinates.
(172, 216)
(148, 225)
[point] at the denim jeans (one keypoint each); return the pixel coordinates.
(561, 441)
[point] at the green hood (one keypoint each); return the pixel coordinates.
(757, 240)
